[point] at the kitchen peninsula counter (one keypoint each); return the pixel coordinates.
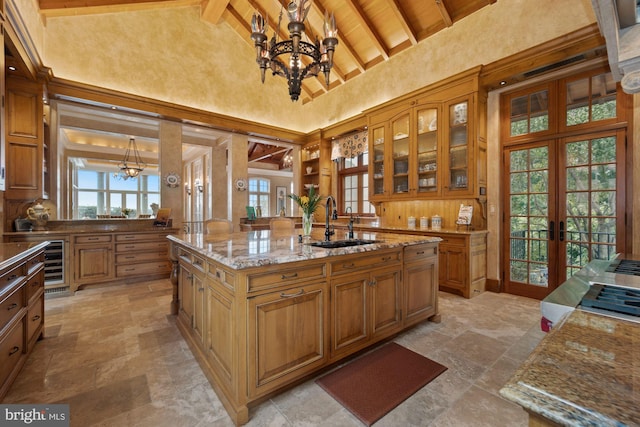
(262, 311)
(585, 372)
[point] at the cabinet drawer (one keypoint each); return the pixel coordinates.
(284, 276)
(35, 262)
(34, 284)
(35, 317)
(141, 257)
(11, 349)
(192, 259)
(369, 260)
(139, 237)
(10, 276)
(453, 240)
(143, 246)
(413, 252)
(93, 239)
(147, 268)
(220, 275)
(10, 306)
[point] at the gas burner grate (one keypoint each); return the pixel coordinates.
(613, 298)
(625, 266)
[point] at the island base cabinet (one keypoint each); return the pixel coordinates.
(421, 287)
(286, 336)
(365, 307)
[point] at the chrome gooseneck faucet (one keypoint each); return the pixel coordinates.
(350, 226)
(328, 231)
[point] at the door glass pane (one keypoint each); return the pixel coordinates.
(591, 99)
(529, 216)
(427, 150)
(530, 113)
(400, 153)
(458, 143)
(378, 160)
(590, 201)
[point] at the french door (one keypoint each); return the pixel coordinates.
(564, 206)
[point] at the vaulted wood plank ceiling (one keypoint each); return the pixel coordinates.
(369, 31)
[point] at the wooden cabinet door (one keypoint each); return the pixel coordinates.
(349, 326)
(220, 340)
(286, 336)
(385, 302)
(24, 137)
(185, 284)
(453, 266)
(421, 287)
(93, 263)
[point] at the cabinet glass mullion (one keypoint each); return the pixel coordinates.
(427, 147)
(458, 146)
(400, 154)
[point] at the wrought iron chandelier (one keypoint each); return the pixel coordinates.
(132, 164)
(319, 53)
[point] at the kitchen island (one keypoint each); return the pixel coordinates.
(262, 311)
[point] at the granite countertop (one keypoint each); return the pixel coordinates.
(13, 252)
(585, 372)
(263, 247)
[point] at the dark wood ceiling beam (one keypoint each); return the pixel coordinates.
(212, 10)
(368, 27)
(261, 155)
(404, 21)
(446, 16)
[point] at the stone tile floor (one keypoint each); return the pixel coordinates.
(115, 355)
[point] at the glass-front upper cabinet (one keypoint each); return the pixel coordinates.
(458, 146)
(400, 154)
(377, 160)
(427, 150)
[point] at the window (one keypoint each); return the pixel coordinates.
(100, 193)
(259, 193)
(590, 99)
(354, 185)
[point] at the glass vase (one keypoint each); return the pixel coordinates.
(306, 224)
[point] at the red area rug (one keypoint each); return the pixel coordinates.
(376, 383)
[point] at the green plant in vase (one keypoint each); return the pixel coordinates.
(308, 205)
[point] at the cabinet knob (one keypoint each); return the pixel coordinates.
(12, 306)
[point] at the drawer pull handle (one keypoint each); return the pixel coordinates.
(130, 247)
(351, 265)
(35, 284)
(291, 276)
(386, 258)
(218, 274)
(420, 253)
(93, 238)
(14, 350)
(130, 257)
(297, 294)
(36, 317)
(12, 277)
(12, 306)
(200, 289)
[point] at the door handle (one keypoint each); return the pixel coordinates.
(561, 232)
(552, 231)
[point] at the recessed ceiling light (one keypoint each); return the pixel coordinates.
(12, 68)
(503, 82)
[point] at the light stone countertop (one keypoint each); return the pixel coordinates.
(585, 372)
(263, 247)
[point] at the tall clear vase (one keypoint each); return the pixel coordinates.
(306, 224)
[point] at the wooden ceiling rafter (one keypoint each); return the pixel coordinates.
(369, 28)
(404, 21)
(446, 16)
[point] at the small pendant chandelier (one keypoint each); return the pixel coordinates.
(319, 53)
(129, 169)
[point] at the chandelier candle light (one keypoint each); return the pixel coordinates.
(308, 204)
(129, 169)
(319, 53)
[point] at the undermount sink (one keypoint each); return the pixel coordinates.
(343, 243)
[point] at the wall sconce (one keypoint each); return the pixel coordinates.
(198, 185)
(187, 189)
